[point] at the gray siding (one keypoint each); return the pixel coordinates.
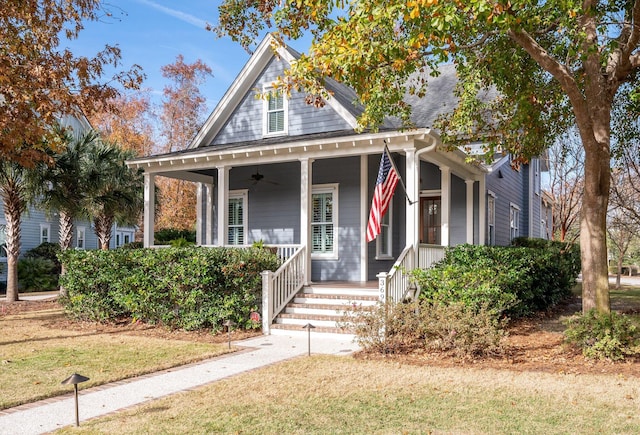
(430, 176)
(398, 208)
(273, 202)
(245, 124)
(458, 217)
(346, 172)
(507, 184)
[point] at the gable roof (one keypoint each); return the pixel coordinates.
(342, 101)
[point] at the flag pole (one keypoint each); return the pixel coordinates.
(386, 148)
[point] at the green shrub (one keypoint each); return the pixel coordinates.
(47, 251)
(516, 281)
(610, 336)
(180, 243)
(187, 288)
(132, 245)
(405, 327)
(166, 235)
(37, 274)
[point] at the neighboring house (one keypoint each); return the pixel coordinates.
(283, 172)
(38, 227)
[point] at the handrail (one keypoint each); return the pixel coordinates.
(394, 284)
(279, 287)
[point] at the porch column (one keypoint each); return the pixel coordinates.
(412, 178)
(482, 210)
(199, 194)
(209, 215)
(223, 204)
(306, 184)
(149, 209)
(445, 185)
(364, 165)
(470, 184)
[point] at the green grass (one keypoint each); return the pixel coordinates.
(342, 395)
(36, 355)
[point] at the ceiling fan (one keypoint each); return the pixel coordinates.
(260, 177)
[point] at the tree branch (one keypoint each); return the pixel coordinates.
(622, 61)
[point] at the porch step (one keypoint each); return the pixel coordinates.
(323, 306)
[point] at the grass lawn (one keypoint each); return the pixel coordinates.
(343, 395)
(36, 355)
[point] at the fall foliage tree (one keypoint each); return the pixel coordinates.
(183, 109)
(553, 64)
(40, 80)
(131, 126)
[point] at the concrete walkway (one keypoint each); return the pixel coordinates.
(51, 414)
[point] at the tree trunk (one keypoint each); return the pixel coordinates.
(593, 222)
(103, 226)
(66, 230)
(66, 237)
(619, 271)
(12, 213)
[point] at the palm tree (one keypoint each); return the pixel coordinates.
(65, 182)
(115, 193)
(16, 192)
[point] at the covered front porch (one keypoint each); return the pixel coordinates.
(316, 193)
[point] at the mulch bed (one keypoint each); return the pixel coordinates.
(534, 344)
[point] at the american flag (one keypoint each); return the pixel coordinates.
(385, 186)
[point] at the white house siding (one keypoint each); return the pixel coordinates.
(245, 124)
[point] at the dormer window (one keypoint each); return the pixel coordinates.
(275, 113)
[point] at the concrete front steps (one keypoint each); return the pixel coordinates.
(322, 305)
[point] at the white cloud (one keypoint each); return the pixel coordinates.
(182, 16)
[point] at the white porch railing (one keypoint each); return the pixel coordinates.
(395, 284)
(279, 287)
(429, 254)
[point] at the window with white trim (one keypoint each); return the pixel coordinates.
(80, 237)
(514, 221)
(324, 221)
(543, 230)
(275, 113)
(45, 233)
(384, 241)
(237, 218)
(491, 219)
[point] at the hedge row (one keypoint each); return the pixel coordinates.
(517, 280)
(186, 288)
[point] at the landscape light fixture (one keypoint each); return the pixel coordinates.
(74, 380)
(308, 327)
(229, 324)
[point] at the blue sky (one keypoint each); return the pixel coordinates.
(151, 33)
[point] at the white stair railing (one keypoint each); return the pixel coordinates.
(279, 287)
(394, 284)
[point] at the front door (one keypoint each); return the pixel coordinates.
(430, 220)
